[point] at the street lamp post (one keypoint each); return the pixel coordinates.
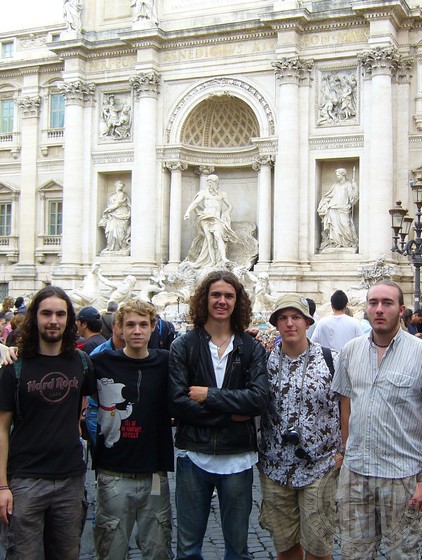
(400, 224)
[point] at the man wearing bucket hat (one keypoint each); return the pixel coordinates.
(300, 439)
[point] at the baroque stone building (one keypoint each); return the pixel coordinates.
(272, 96)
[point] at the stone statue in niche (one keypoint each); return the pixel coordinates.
(338, 98)
(116, 119)
(145, 11)
(213, 215)
(336, 212)
(72, 10)
(116, 221)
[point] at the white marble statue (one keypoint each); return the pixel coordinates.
(213, 215)
(263, 299)
(336, 212)
(116, 221)
(120, 291)
(145, 10)
(87, 294)
(72, 10)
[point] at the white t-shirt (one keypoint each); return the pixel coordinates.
(333, 332)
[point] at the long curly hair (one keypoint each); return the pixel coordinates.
(28, 344)
(242, 313)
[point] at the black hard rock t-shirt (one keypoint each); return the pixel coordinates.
(45, 440)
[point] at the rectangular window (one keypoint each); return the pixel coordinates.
(57, 111)
(7, 49)
(4, 290)
(55, 217)
(7, 108)
(5, 219)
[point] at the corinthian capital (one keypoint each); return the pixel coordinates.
(145, 84)
(380, 61)
(29, 106)
(293, 70)
(77, 92)
(176, 165)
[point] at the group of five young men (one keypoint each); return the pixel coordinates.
(215, 382)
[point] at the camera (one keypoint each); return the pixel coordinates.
(292, 435)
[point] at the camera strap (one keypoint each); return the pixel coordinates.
(304, 368)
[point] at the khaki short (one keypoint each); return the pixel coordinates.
(300, 515)
(373, 510)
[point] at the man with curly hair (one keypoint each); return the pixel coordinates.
(218, 384)
(42, 498)
(134, 448)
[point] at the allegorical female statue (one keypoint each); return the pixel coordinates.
(116, 221)
(336, 212)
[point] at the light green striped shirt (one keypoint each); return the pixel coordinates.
(385, 426)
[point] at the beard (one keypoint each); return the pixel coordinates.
(51, 337)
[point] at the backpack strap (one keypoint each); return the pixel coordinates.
(84, 361)
(18, 368)
(328, 357)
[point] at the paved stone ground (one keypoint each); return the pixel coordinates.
(260, 543)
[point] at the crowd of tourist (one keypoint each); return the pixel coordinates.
(329, 414)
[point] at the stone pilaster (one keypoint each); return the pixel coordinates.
(291, 73)
(145, 87)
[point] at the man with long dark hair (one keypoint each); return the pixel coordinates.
(42, 498)
(218, 384)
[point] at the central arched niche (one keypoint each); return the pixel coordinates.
(221, 121)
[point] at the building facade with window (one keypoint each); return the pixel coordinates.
(273, 96)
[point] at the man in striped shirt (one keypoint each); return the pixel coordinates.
(379, 378)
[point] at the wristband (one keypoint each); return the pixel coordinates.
(4, 488)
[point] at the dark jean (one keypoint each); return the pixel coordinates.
(194, 489)
(91, 421)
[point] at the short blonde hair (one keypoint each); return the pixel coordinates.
(136, 306)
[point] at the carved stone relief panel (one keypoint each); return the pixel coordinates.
(115, 117)
(337, 98)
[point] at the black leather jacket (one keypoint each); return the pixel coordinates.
(208, 427)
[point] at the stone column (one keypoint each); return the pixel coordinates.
(144, 180)
(379, 65)
(203, 171)
(77, 94)
(263, 165)
(290, 73)
(175, 230)
(29, 107)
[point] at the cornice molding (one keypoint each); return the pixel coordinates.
(336, 142)
(104, 158)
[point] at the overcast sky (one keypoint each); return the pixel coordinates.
(24, 14)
